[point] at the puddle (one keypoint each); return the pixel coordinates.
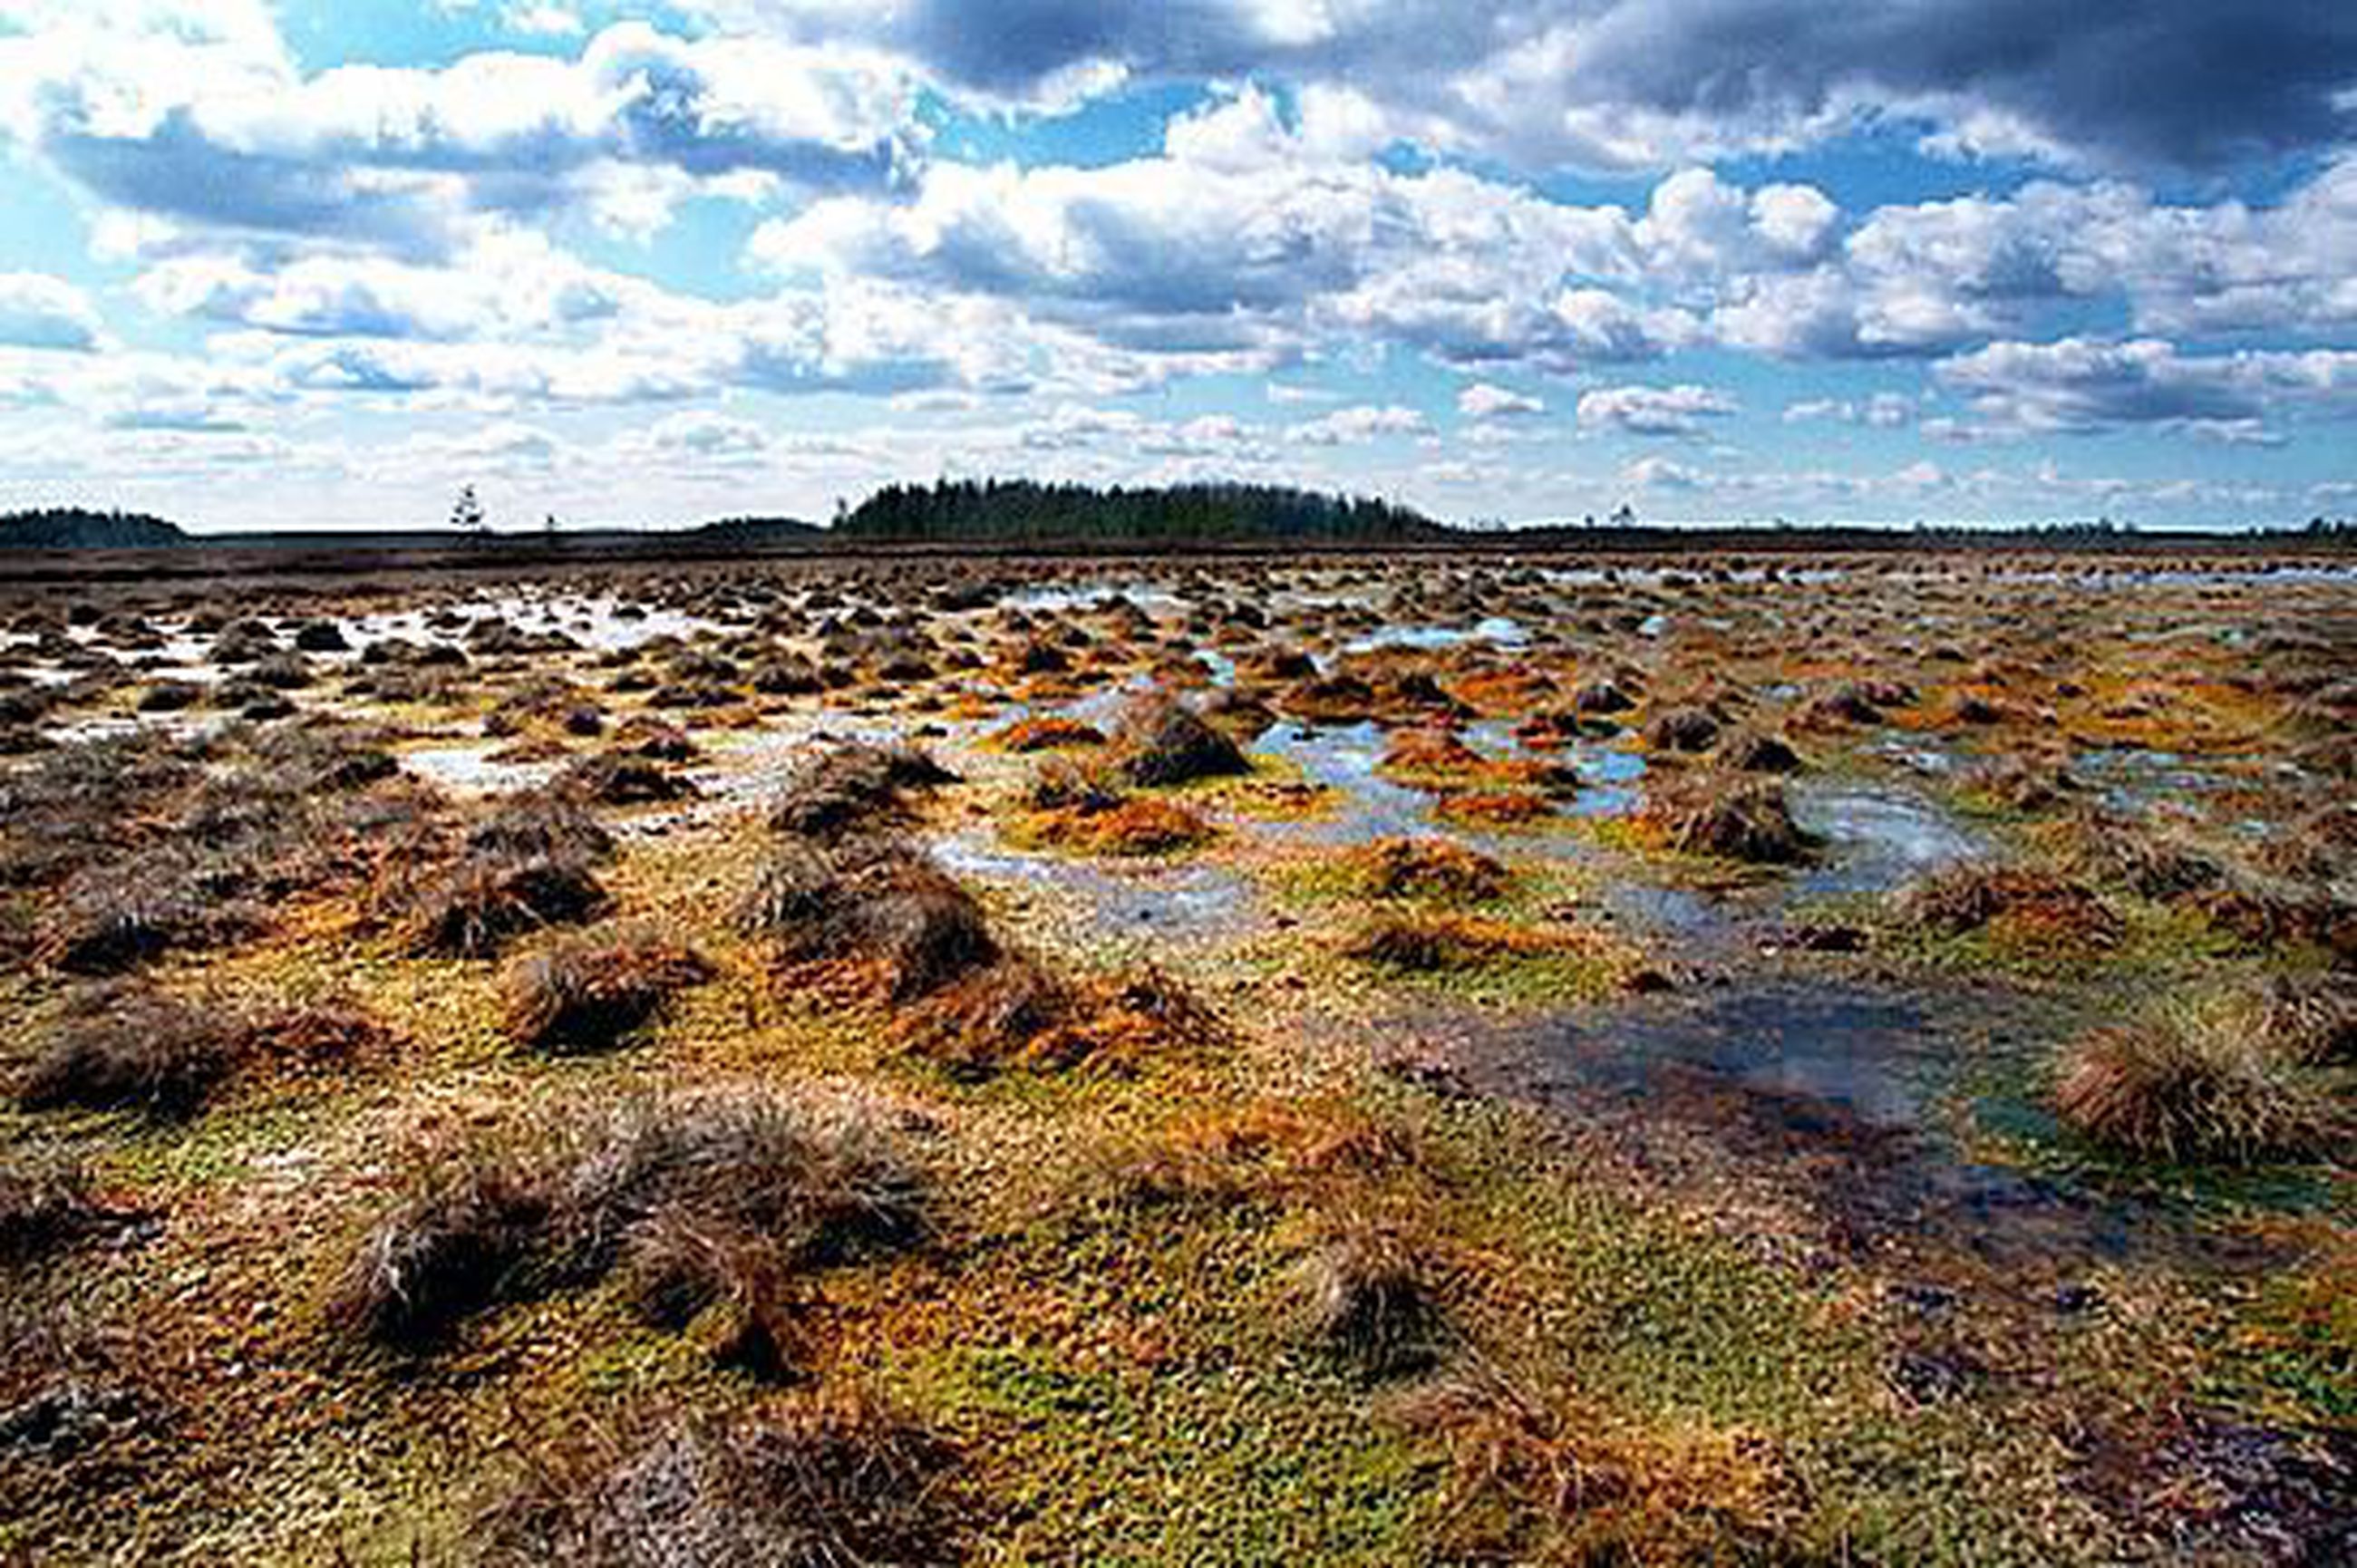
(597, 624)
(470, 769)
(1849, 1090)
(1875, 839)
(2131, 777)
(1063, 601)
(1344, 757)
(1184, 906)
(1495, 629)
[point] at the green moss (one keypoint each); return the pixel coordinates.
(1139, 1405)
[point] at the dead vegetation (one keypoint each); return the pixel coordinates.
(128, 1046)
(854, 790)
(819, 1479)
(1728, 817)
(1162, 742)
(1535, 1479)
(2207, 1079)
(48, 1202)
(2029, 906)
(1435, 870)
(594, 991)
(1364, 1294)
(770, 1183)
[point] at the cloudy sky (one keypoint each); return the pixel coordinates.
(319, 262)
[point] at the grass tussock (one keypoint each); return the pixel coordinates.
(48, 1202)
(1364, 1294)
(821, 1479)
(1493, 808)
(2028, 908)
(126, 1046)
(708, 1199)
(1218, 1156)
(870, 904)
(1726, 817)
(1128, 827)
(1014, 1015)
(1048, 733)
(150, 844)
(475, 907)
(1431, 870)
(621, 777)
(2196, 1081)
(1440, 943)
(2029, 783)
(854, 788)
(1161, 742)
(594, 991)
(1755, 751)
(1534, 1480)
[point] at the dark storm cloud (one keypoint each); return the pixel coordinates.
(2183, 84)
(2192, 84)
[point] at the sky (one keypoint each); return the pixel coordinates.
(320, 263)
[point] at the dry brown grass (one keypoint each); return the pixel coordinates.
(854, 788)
(593, 991)
(1540, 1479)
(1493, 808)
(1135, 827)
(1363, 1292)
(824, 1479)
(46, 1203)
(2029, 908)
(705, 1197)
(1437, 870)
(1161, 742)
(874, 905)
(2195, 1081)
(1728, 817)
(1048, 733)
(127, 1046)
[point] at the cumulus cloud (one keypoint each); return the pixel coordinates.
(705, 439)
(1349, 426)
(1623, 83)
(1484, 400)
(223, 134)
(1652, 410)
(1243, 238)
(41, 312)
(2077, 386)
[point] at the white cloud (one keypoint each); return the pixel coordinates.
(41, 312)
(1349, 426)
(2078, 386)
(1652, 410)
(1484, 400)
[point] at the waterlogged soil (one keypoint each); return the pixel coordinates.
(1753, 1065)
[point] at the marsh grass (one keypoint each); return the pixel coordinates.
(1742, 818)
(594, 991)
(128, 1046)
(823, 1479)
(768, 1182)
(2193, 1082)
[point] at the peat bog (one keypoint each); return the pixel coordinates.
(1356, 1058)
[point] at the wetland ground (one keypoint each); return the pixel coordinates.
(1361, 1058)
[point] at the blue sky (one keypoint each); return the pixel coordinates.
(319, 264)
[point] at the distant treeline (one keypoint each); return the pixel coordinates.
(1024, 514)
(755, 531)
(2099, 538)
(79, 527)
(1025, 510)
